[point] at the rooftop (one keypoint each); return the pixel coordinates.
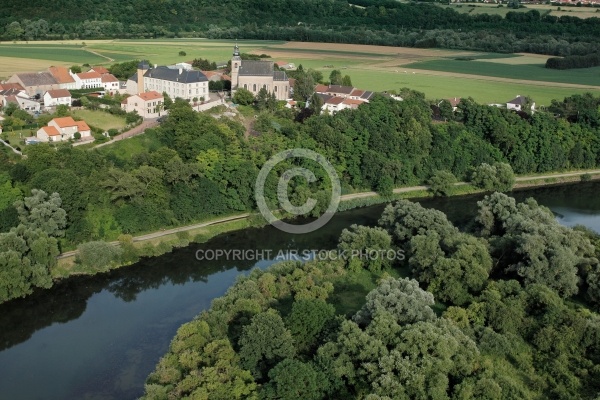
(174, 75)
(58, 93)
(37, 78)
(256, 68)
(101, 70)
(61, 74)
(51, 131)
(109, 78)
(89, 75)
(147, 96)
(64, 122)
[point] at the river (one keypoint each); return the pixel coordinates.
(99, 337)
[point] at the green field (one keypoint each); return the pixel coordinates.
(532, 72)
(443, 87)
(71, 54)
(100, 119)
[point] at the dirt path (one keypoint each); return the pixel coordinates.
(137, 130)
(99, 54)
(345, 197)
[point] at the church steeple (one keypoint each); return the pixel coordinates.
(236, 63)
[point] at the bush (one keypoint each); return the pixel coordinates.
(98, 255)
(586, 177)
(243, 97)
(498, 177)
(113, 132)
(441, 183)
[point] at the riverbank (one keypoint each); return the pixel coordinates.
(161, 242)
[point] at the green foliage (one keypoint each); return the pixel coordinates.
(498, 177)
(42, 212)
(292, 379)
(243, 96)
(441, 183)
(265, 342)
(307, 320)
(98, 255)
(365, 247)
(402, 300)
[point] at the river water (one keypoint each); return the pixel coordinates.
(99, 337)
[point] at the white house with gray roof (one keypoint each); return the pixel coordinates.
(255, 75)
(176, 82)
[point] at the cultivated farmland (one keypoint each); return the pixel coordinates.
(487, 77)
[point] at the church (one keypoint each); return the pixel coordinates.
(254, 75)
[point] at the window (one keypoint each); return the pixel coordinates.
(254, 87)
(275, 89)
(245, 86)
(265, 87)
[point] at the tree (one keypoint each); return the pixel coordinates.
(98, 255)
(402, 299)
(14, 30)
(243, 97)
(76, 69)
(43, 212)
(453, 267)
(292, 379)
(62, 110)
(315, 104)
(307, 320)
(304, 86)
(77, 136)
(498, 177)
(264, 343)
(346, 81)
(335, 77)
(441, 183)
(366, 247)
(182, 53)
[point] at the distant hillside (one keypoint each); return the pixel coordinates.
(374, 22)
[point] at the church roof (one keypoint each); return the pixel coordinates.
(279, 76)
(256, 68)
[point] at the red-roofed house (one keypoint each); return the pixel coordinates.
(87, 80)
(110, 82)
(146, 104)
(100, 70)
(285, 65)
(48, 134)
(53, 98)
(66, 128)
(63, 76)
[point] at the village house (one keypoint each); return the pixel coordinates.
(63, 76)
(20, 98)
(519, 103)
(255, 75)
(87, 80)
(285, 65)
(146, 104)
(100, 70)
(110, 83)
(62, 129)
(35, 83)
(344, 91)
(53, 98)
(333, 104)
(181, 83)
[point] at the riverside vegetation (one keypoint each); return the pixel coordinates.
(194, 167)
(504, 309)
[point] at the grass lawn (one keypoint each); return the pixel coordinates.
(534, 72)
(15, 137)
(100, 119)
(350, 290)
(122, 151)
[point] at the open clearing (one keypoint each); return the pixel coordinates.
(543, 9)
(488, 77)
(100, 119)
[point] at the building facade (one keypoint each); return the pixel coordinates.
(175, 82)
(255, 75)
(146, 104)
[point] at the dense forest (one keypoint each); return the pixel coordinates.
(383, 22)
(194, 166)
(501, 310)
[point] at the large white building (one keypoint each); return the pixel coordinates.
(176, 82)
